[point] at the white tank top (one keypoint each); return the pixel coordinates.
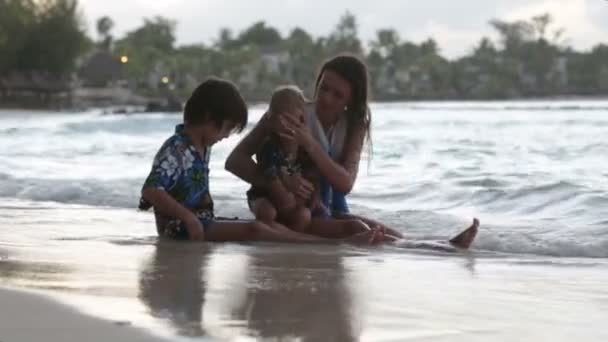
(332, 139)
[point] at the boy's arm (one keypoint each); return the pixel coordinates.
(167, 168)
(164, 203)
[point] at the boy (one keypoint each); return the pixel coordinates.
(178, 184)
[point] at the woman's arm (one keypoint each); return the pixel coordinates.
(240, 161)
(342, 174)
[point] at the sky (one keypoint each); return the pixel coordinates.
(456, 25)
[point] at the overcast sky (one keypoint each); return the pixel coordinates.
(456, 25)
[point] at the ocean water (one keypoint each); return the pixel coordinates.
(533, 172)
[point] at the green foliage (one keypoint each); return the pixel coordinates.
(148, 48)
(40, 35)
(157, 33)
(16, 18)
(344, 37)
(104, 26)
(259, 35)
(528, 59)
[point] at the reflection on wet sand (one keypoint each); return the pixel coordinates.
(32, 274)
(297, 295)
(286, 294)
(172, 285)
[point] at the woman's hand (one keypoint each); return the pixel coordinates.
(288, 127)
(299, 186)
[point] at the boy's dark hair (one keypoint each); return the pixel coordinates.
(219, 101)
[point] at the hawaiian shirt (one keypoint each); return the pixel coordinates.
(183, 172)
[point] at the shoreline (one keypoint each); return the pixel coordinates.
(31, 316)
(256, 102)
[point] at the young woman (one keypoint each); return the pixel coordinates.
(338, 122)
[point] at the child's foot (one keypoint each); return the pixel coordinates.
(466, 237)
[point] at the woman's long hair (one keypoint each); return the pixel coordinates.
(354, 71)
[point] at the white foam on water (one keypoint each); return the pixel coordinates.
(532, 171)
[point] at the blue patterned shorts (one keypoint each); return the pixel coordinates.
(176, 229)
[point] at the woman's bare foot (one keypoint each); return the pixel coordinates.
(466, 237)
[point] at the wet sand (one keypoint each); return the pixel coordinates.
(27, 316)
(98, 266)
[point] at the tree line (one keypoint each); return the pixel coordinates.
(530, 58)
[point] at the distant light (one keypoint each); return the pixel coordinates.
(124, 59)
(165, 80)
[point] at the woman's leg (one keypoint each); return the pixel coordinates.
(462, 240)
(392, 233)
(224, 231)
(337, 228)
(466, 237)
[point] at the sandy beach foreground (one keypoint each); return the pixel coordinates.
(27, 317)
(263, 292)
(137, 287)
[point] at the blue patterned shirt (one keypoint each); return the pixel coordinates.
(183, 172)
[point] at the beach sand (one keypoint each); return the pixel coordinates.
(27, 317)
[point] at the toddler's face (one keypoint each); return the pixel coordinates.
(296, 111)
